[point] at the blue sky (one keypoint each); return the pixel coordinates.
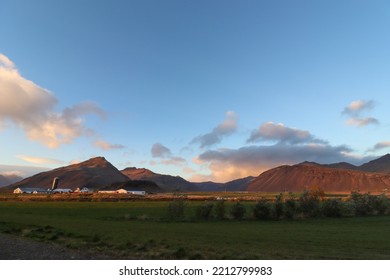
(207, 90)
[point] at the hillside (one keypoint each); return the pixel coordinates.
(93, 173)
(235, 185)
(165, 182)
(380, 165)
(296, 178)
(6, 180)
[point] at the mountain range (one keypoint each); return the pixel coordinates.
(373, 176)
(235, 185)
(98, 173)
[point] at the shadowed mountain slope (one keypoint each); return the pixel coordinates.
(235, 185)
(380, 165)
(166, 182)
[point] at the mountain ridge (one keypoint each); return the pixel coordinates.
(99, 173)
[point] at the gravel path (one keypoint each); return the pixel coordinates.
(19, 248)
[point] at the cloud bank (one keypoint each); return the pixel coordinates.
(229, 164)
(32, 108)
(290, 146)
(22, 171)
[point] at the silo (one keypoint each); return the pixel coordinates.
(55, 183)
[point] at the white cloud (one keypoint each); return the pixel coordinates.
(279, 132)
(160, 151)
(380, 145)
(5, 62)
(226, 128)
(167, 158)
(355, 110)
(357, 106)
(74, 161)
(360, 122)
(178, 161)
(106, 146)
(32, 108)
(39, 160)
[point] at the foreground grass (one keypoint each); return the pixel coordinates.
(142, 230)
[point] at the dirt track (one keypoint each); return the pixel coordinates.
(18, 248)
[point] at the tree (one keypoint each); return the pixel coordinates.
(309, 202)
(238, 211)
(176, 209)
(279, 207)
(204, 211)
(262, 210)
(332, 208)
(290, 208)
(220, 209)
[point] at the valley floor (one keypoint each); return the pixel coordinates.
(142, 230)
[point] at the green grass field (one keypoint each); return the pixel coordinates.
(142, 230)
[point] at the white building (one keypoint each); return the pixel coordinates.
(109, 192)
(124, 191)
(137, 192)
(121, 191)
(29, 190)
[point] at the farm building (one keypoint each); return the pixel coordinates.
(137, 192)
(124, 191)
(131, 192)
(108, 192)
(62, 191)
(121, 191)
(82, 190)
(29, 190)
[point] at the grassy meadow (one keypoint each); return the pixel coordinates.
(143, 230)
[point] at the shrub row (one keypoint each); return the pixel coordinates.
(310, 203)
(207, 210)
(313, 204)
